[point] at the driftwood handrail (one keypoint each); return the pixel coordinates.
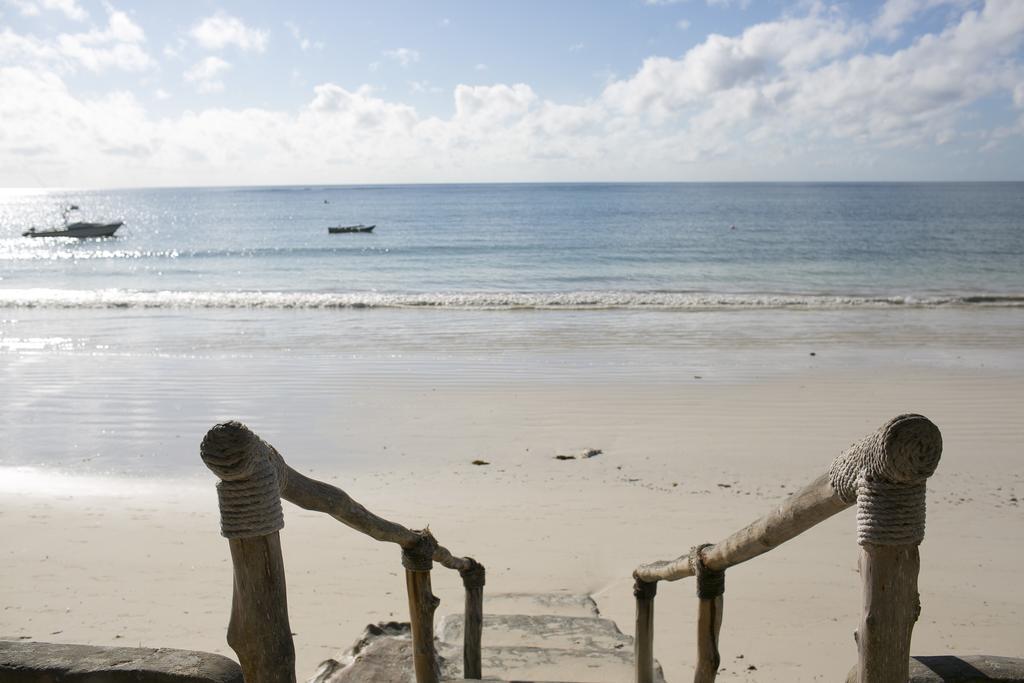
(254, 478)
(884, 474)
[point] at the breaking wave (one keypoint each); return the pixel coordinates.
(583, 300)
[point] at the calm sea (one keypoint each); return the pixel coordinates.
(549, 245)
(117, 354)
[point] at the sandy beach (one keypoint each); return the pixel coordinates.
(710, 244)
(136, 561)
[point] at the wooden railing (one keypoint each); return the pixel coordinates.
(884, 474)
(254, 478)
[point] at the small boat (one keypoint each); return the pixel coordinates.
(335, 229)
(80, 229)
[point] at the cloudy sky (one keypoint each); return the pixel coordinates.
(102, 93)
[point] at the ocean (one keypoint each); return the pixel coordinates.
(236, 302)
(507, 246)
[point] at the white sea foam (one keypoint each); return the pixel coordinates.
(581, 300)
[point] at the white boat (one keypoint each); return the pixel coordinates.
(80, 229)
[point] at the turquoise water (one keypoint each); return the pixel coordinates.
(117, 354)
(578, 245)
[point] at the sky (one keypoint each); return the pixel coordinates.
(125, 93)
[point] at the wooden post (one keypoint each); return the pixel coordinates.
(643, 642)
(473, 579)
(890, 490)
(259, 631)
(251, 519)
(710, 591)
(891, 606)
(417, 560)
(709, 624)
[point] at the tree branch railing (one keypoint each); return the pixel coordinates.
(884, 474)
(254, 477)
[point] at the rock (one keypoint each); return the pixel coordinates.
(480, 462)
(565, 457)
(25, 662)
(965, 669)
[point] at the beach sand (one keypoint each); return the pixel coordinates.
(139, 562)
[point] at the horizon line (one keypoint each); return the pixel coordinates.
(357, 185)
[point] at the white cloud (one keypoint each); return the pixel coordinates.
(480, 67)
(25, 7)
(16, 48)
(205, 74)
(220, 30)
(404, 56)
(118, 46)
(807, 93)
(69, 8)
(763, 52)
(305, 44)
(576, 47)
(683, 24)
(490, 104)
(894, 14)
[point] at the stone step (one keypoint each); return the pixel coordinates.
(558, 664)
(527, 637)
(388, 659)
(541, 630)
(562, 604)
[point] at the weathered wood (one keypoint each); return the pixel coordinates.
(250, 509)
(904, 449)
(709, 625)
(312, 494)
(318, 496)
(422, 603)
(643, 642)
(473, 580)
(259, 631)
(891, 607)
(814, 503)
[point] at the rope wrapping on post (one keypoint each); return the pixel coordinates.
(419, 557)
(475, 576)
(710, 584)
(890, 514)
(885, 473)
(248, 493)
(644, 590)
